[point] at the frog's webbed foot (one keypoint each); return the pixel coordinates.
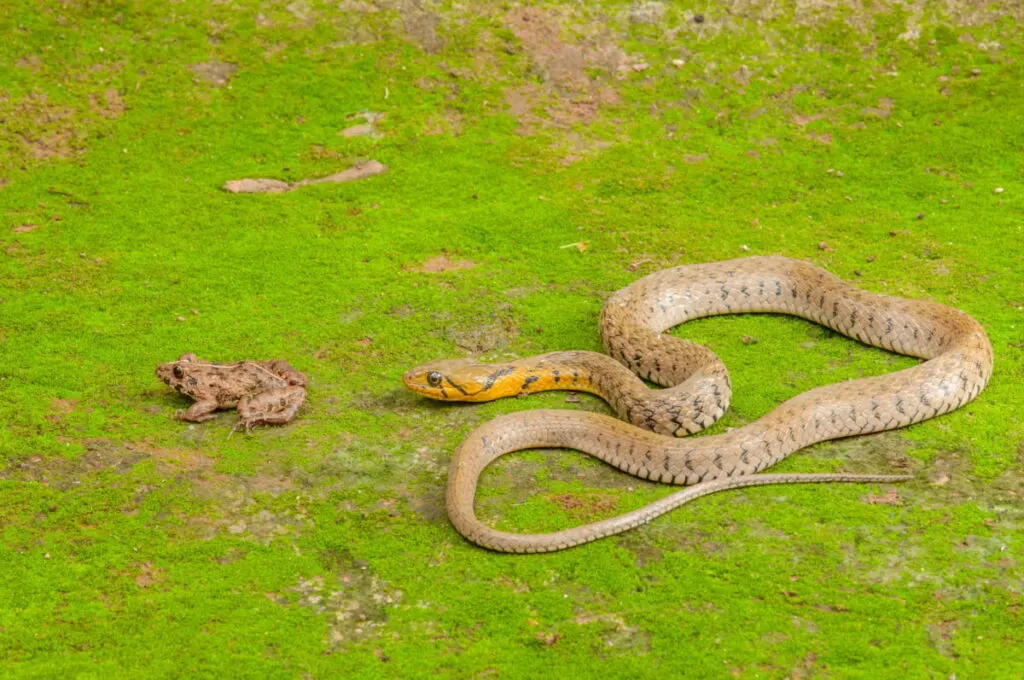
(272, 407)
(199, 412)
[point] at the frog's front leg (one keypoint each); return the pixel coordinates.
(275, 406)
(199, 412)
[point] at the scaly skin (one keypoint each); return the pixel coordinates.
(957, 366)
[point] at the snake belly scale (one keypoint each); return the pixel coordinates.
(957, 365)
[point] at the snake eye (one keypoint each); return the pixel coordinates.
(434, 379)
(179, 372)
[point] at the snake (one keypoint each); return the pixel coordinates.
(649, 441)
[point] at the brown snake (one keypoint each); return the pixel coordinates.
(958, 364)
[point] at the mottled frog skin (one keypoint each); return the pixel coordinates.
(264, 392)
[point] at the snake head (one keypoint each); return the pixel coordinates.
(454, 380)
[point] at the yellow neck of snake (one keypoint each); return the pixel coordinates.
(527, 376)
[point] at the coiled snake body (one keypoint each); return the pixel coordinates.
(958, 364)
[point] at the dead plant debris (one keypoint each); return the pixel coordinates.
(276, 186)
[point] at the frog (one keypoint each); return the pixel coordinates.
(263, 392)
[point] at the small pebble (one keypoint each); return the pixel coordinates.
(870, 258)
(920, 216)
(824, 246)
(998, 190)
(857, 272)
(749, 340)
(678, 63)
(745, 249)
(181, 318)
(698, 18)
(892, 233)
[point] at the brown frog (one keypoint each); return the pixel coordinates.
(264, 392)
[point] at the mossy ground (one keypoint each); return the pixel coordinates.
(869, 138)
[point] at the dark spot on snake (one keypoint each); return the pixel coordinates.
(493, 377)
(449, 381)
(529, 381)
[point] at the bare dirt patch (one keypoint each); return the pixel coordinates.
(146, 575)
(276, 186)
(32, 62)
(353, 600)
(575, 77)
(450, 122)
(585, 505)
(216, 73)
(615, 632)
(483, 337)
(890, 497)
(68, 473)
(442, 263)
(109, 105)
(421, 25)
(44, 130)
(883, 110)
(172, 459)
(368, 128)
(802, 120)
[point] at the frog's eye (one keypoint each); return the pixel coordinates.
(434, 379)
(179, 372)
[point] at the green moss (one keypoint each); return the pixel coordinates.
(132, 543)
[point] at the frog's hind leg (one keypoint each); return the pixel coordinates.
(199, 412)
(287, 373)
(273, 407)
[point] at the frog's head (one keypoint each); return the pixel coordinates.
(178, 374)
